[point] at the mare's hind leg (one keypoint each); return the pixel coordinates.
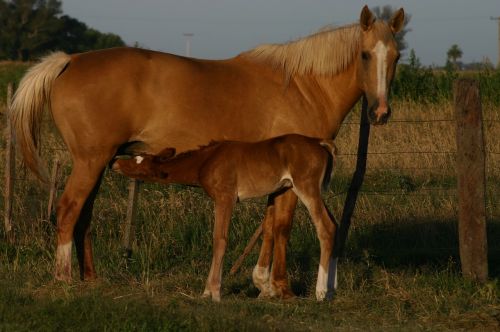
(79, 187)
(260, 274)
(82, 238)
(325, 229)
(284, 207)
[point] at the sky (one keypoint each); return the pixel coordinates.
(225, 28)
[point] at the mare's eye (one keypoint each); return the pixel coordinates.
(365, 55)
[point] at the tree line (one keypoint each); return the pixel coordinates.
(31, 28)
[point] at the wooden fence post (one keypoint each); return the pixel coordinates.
(53, 187)
(10, 167)
(246, 251)
(356, 181)
(471, 180)
(128, 231)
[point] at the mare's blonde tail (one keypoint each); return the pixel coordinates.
(28, 104)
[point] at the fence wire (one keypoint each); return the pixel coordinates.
(367, 189)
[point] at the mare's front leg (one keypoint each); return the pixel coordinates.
(223, 208)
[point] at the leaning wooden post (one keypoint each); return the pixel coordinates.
(356, 182)
(10, 167)
(53, 187)
(128, 233)
(471, 180)
(246, 251)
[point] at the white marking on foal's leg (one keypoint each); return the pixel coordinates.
(139, 159)
(207, 292)
(321, 284)
(261, 280)
(381, 53)
(63, 262)
(327, 282)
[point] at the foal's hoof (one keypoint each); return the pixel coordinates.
(207, 293)
(286, 294)
(266, 294)
(324, 295)
(62, 277)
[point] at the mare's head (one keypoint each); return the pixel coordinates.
(143, 166)
(377, 61)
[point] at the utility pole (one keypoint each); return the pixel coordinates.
(498, 20)
(188, 36)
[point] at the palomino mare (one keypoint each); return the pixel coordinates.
(103, 99)
(231, 171)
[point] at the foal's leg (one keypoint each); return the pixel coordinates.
(223, 209)
(325, 228)
(284, 207)
(260, 274)
(82, 181)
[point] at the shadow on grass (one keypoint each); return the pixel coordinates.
(426, 245)
(400, 245)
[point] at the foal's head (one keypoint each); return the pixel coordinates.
(144, 166)
(377, 61)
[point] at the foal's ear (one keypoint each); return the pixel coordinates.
(167, 153)
(366, 18)
(164, 155)
(397, 21)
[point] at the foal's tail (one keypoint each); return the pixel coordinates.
(28, 104)
(330, 146)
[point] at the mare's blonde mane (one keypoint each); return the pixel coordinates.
(326, 53)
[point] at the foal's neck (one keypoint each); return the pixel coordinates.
(185, 168)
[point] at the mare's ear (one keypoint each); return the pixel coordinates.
(366, 18)
(397, 21)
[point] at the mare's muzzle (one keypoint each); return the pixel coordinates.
(379, 114)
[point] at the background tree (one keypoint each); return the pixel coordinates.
(31, 28)
(385, 13)
(453, 54)
(28, 26)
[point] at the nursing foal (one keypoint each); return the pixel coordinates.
(229, 171)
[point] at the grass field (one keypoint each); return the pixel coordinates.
(401, 268)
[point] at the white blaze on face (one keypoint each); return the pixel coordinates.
(380, 51)
(139, 159)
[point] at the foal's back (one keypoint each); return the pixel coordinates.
(260, 168)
